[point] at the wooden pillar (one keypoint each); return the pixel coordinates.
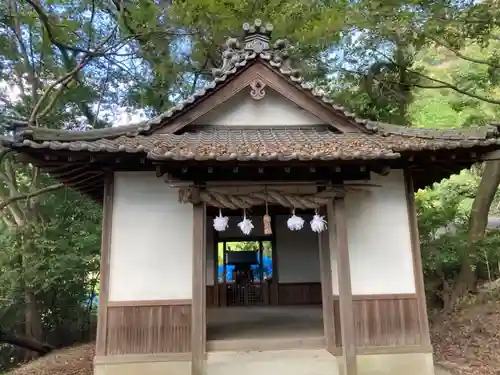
(417, 261)
(338, 240)
(223, 297)
(274, 291)
(215, 256)
(198, 308)
(107, 219)
(325, 264)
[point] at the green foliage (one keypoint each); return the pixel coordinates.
(443, 213)
(444, 107)
(58, 258)
(244, 246)
(420, 63)
(184, 40)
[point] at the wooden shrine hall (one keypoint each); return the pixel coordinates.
(257, 226)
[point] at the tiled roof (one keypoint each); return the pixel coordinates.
(271, 143)
(374, 140)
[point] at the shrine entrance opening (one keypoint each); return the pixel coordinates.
(266, 291)
(245, 270)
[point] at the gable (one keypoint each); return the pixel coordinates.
(272, 109)
(232, 97)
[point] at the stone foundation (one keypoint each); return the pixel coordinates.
(396, 364)
(290, 362)
(140, 365)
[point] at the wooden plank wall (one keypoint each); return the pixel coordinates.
(288, 294)
(384, 320)
(143, 329)
(299, 293)
(380, 320)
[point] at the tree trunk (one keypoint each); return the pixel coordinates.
(478, 220)
(27, 343)
(404, 88)
(33, 320)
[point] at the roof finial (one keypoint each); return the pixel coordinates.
(256, 43)
(257, 36)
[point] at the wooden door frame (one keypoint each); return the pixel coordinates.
(337, 217)
(199, 285)
(327, 300)
(337, 242)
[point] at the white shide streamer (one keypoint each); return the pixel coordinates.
(295, 222)
(245, 225)
(221, 223)
(318, 223)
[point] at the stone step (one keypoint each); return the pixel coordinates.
(289, 362)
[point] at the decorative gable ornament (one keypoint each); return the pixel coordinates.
(257, 41)
(257, 87)
(257, 36)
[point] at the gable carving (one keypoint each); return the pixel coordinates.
(257, 89)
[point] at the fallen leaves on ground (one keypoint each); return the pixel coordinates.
(75, 360)
(467, 341)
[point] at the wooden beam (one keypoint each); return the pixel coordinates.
(338, 240)
(325, 263)
(417, 261)
(198, 310)
(493, 155)
(107, 221)
(381, 170)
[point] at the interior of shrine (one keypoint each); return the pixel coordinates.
(263, 288)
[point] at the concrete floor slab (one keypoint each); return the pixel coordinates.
(264, 322)
(290, 362)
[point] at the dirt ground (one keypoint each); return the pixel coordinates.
(466, 342)
(70, 361)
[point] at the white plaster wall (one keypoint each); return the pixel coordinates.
(273, 109)
(151, 241)
(379, 239)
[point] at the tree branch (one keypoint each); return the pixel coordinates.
(66, 78)
(418, 85)
(197, 75)
(37, 7)
(29, 65)
(63, 80)
(26, 343)
(440, 84)
(460, 54)
(455, 88)
(29, 195)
